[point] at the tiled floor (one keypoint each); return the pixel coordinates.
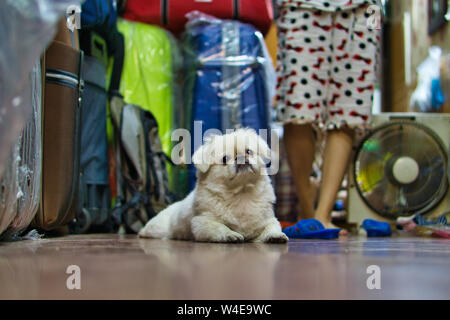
(125, 267)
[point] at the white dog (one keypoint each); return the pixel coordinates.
(233, 199)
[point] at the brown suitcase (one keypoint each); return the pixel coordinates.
(61, 131)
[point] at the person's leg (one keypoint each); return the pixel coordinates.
(335, 161)
(352, 81)
(302, 88)
(300, 148)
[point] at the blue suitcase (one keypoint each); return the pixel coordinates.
(228, 79)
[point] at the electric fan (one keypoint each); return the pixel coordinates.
(401, 168)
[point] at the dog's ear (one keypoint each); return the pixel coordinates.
(202, 158)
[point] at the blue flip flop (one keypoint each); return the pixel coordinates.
(310, 229)
(376, 228)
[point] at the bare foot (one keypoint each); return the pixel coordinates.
(329, 225)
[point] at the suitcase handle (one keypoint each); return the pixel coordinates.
(236, 61)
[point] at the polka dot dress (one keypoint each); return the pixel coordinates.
(327, 5)
(325, 64)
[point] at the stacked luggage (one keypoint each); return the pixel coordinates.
(142, 179)
(100, 40)
(151, 63)
(227, 78)
(96, 153)
(171, 14)
(27, 28)
(61, 130)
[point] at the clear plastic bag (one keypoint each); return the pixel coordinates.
(228, 71)
(428, 95)
(9, 191)
(30, 162)
(20, 184)
(26, 27)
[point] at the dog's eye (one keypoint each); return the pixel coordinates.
(225, 160)
(249, 152)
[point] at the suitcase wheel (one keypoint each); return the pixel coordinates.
(81, 223)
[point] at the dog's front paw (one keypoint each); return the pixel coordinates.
(229, 236)
(275, 238)
(234, 237)
(144, 232)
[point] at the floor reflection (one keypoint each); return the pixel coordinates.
(126, 267)
(230, 271)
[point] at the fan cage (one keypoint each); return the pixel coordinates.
(433, 202)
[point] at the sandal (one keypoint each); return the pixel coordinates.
(311, 229)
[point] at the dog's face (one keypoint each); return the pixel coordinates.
(233, 159)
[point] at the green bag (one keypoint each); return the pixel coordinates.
(151, 60)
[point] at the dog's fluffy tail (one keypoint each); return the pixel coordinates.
(171, 223)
